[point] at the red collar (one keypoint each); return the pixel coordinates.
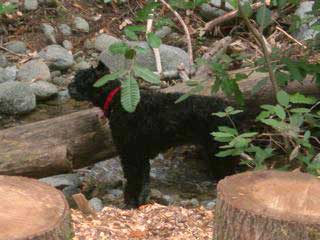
(109, 98)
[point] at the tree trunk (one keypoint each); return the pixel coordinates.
(55, 145)
(268, 205)
(32, 210)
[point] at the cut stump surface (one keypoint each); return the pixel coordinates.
(268, 205)
(31, 210)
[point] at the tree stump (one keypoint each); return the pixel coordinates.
(32, 210)
(268, 205)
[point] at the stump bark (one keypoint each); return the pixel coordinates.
(32, 210)
(268, 205)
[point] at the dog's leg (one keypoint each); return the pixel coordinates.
(136, 168)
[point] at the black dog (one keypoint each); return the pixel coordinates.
(156, 125)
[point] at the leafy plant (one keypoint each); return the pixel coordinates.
(289, 134)
(6, 8)
(130, 94)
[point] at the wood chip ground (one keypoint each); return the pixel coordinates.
(150, 222)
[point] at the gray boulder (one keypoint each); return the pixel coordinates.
(49, 32)
(63, 180)
(43, 90)
(67, 44)
(34, 70)
(81, 24)
(306, 32)
(16, 46)
(96, 204)
(16, 98)
(65, 29)
(8, 74)
(31, 4)
(171, 58)
(104, 41)
(57, 57)
(3, 61)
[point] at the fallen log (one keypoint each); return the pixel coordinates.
(265, 95)
(55, 145)
(32, 210)
(268, 205)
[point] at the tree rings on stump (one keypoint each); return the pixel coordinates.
(268, 205)
(32, 210)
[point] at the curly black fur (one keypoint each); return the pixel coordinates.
(156, 125)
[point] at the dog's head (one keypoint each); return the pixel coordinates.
(81, 88)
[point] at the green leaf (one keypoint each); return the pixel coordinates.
(248, 134)
(222, 134)
(271, 122)
(256, 88)
(153, 40)
(283, 98)
(280, 112)
(296, 120)
(109, 77)
(228, 130)
(118, 48)
(130, 94)
(194, 90)
(264, 18)
(247, 9)
(300, 110)
(301, 99)
(240, 142)
(282, 78)
(225, 153)
(220, 114)
(131, 35)
(130, 54)
(146, 74)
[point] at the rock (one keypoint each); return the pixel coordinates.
(34, 70)
(30, 4)
(209, 204)
(57, 57)
(104, 41)
(155, 194)
(306, 32)
(63, 180)
(16, 46)
(55, 74)
(8, 74)
(108, 172)
(14, 2)
(81, 24)
(113, 196)
(16, 98)
(43, 90)
(67, 44)
(209, 12)
(88, 44)
(190, 202)
(60, 81)
(163, 32)
(171, 58)
(68, 192)
(61, 97)
(96, 204)
(81, 65)
(167, 200)
(49, 32)
(3, 61)
(65, 29)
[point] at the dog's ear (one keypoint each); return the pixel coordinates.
(102, 70)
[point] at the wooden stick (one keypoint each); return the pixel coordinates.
(83, 204)
(290, 37)
(227, 17)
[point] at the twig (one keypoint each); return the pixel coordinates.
(290, 37)
(156, 51)
(9, 51)
(186, 30)
(263, 45)
(226, 17)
